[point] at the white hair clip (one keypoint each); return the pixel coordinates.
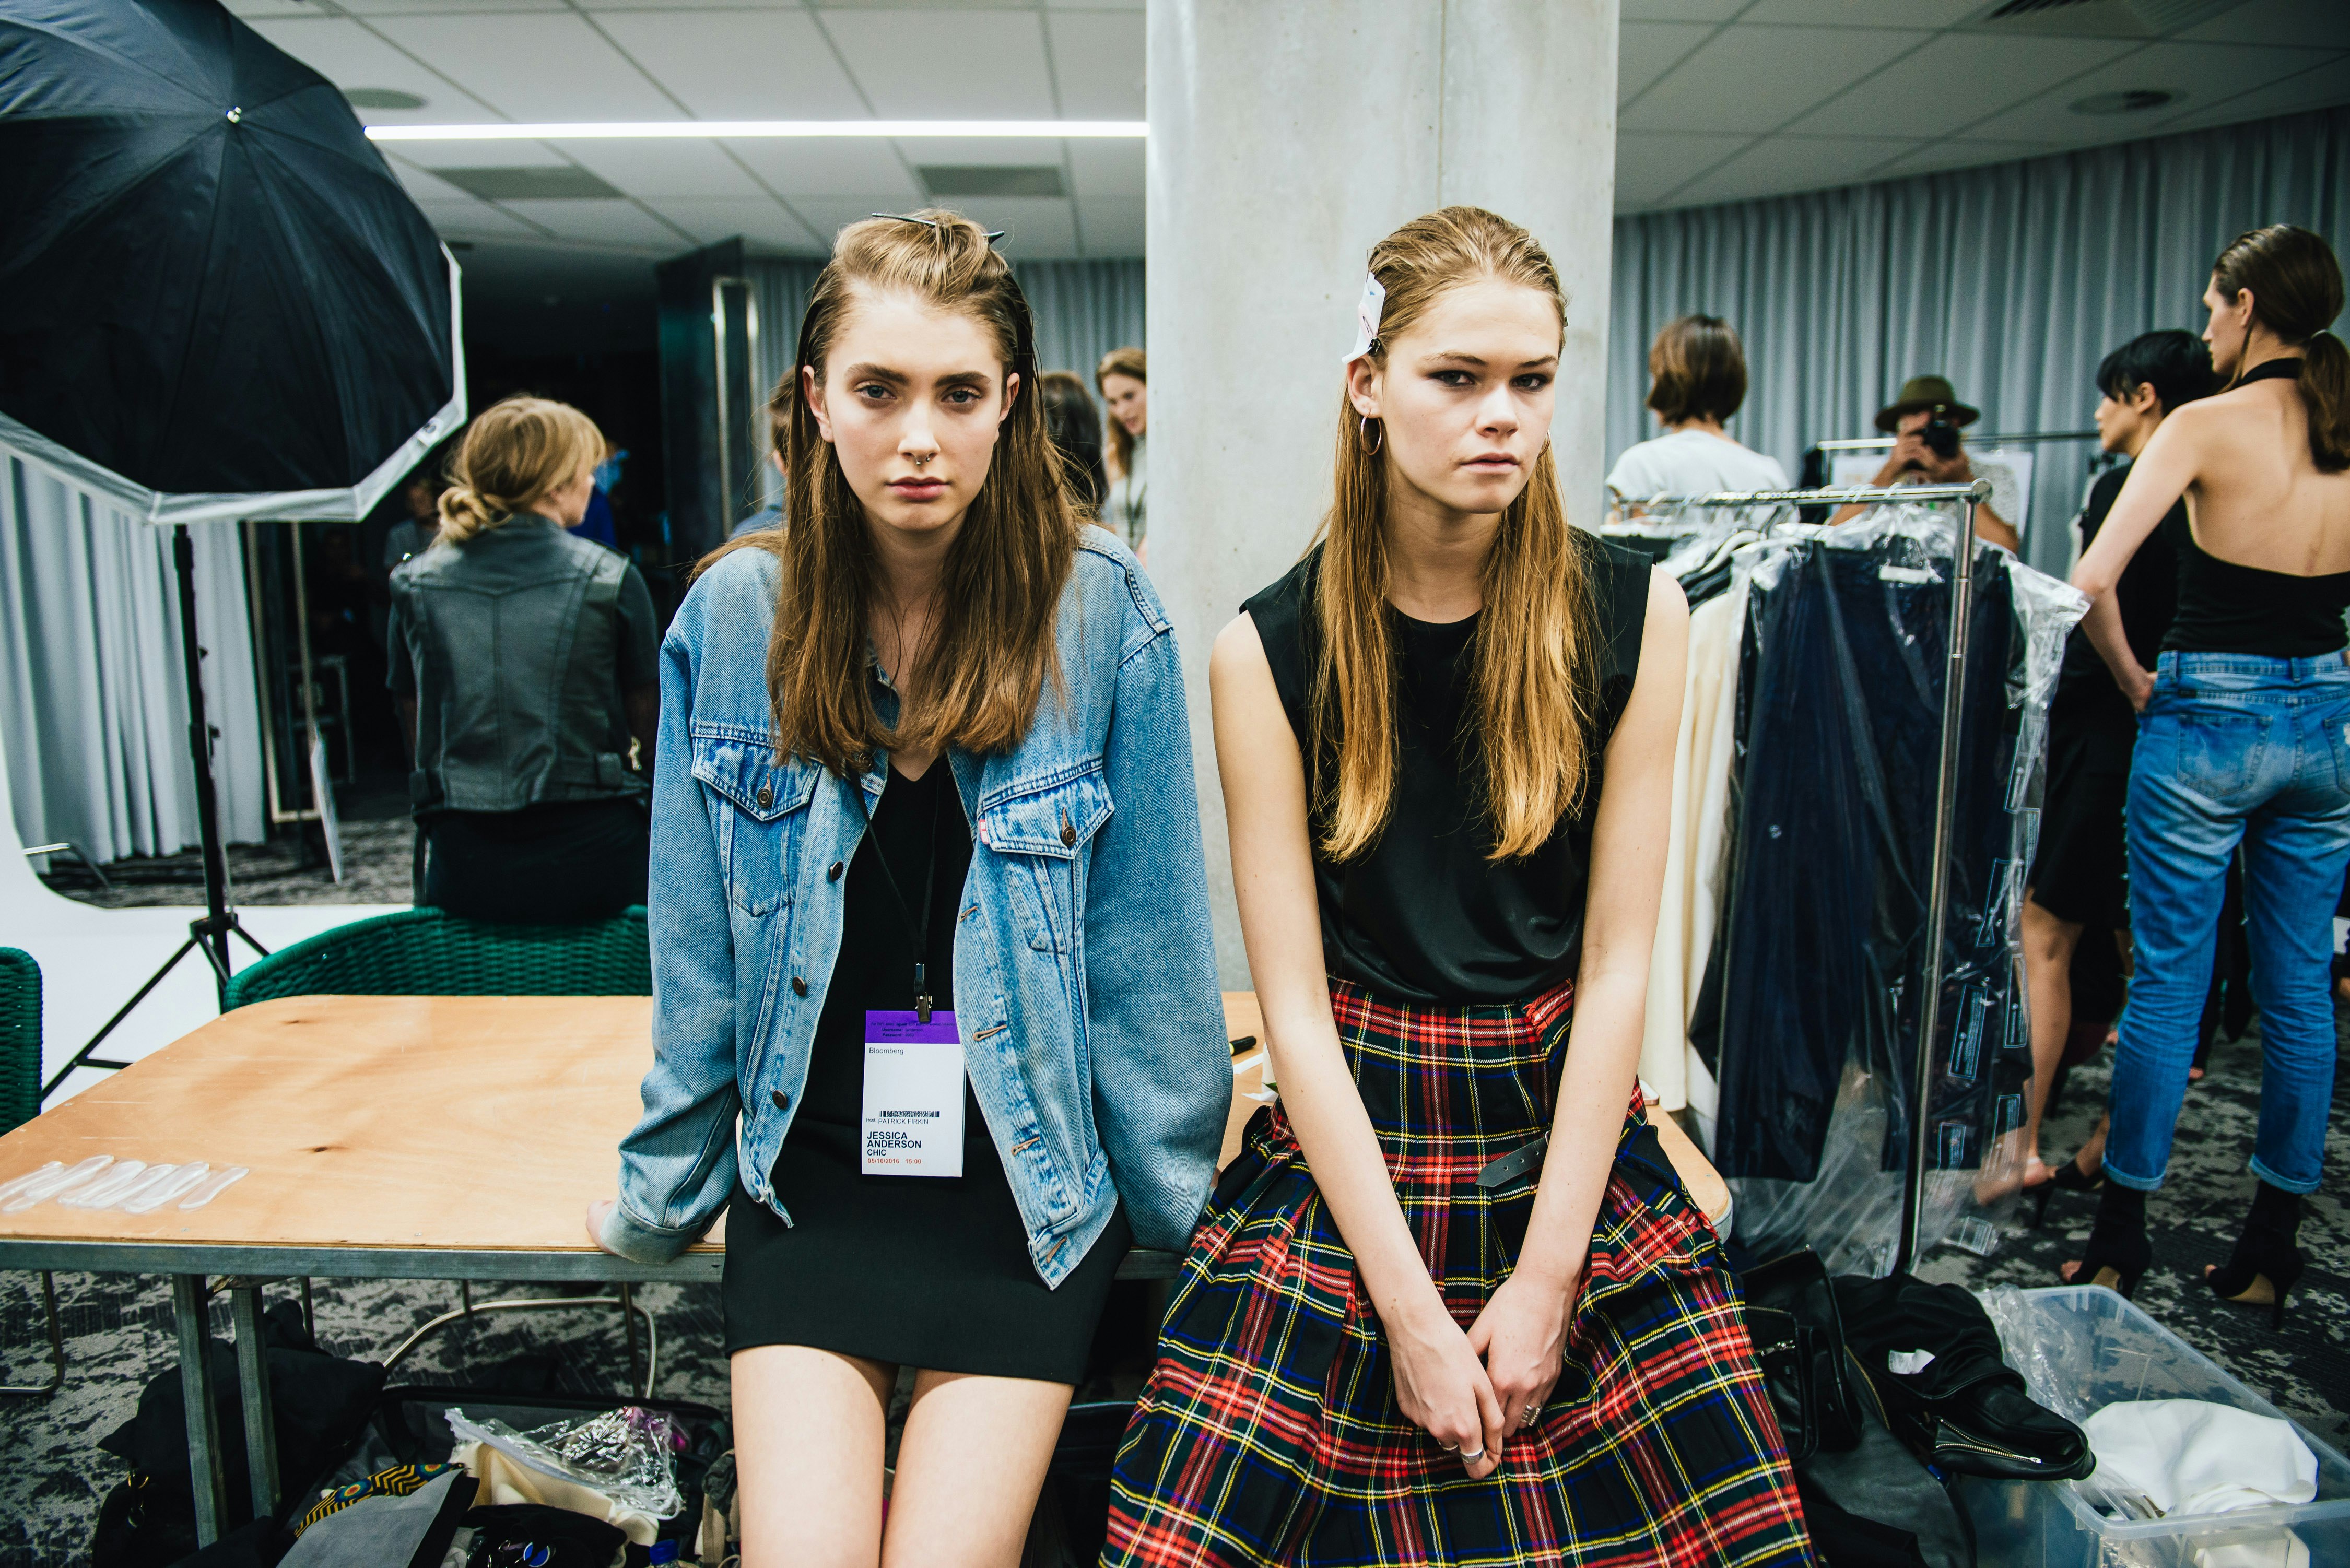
(1368, 310)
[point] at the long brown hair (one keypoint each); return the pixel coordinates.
(514, 453)
(1533, 646)
(2296, 286)
(979, 679)
(1121, 362)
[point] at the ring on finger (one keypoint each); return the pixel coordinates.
(1469, 1457)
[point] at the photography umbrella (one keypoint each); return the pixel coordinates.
(216, 302)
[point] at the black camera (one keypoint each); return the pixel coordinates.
(1940, 436)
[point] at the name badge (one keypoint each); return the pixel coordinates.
(913, 1095)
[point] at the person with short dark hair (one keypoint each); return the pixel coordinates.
(1697, 371)
(2079, 871)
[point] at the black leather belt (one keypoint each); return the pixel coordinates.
(1517, 1163)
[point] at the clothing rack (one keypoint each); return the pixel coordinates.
(1913, 1181)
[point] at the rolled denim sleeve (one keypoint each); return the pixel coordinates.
(1161, 1072)
(677, 1167)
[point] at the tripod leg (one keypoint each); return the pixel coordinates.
(81, 1055)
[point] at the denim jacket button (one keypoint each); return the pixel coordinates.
(1069, 836)
(832, 872)
(766, 797)
(799, 986)
(782, 1101)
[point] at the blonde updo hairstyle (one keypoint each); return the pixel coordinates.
(516, 452)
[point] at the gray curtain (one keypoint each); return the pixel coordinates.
(93, 712)
(1083, 310)
(2013, 280)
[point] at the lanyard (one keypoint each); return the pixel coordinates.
(916, 926)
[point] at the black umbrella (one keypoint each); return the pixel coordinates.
(216, 299)
(216, 302)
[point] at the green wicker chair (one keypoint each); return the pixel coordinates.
(20, 1102)
(425, 953)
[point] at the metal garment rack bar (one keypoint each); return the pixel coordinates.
(1883, 443)
(1945, 784)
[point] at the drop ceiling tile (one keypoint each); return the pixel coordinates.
(2320, 87)
(849, 166)
(740, 65)
(1953, 81)
(478, 154)
(762, 222)
(655, 169)
(2206, 74)
(1035, 225)
(1013, 152)
(828, 215)
(465, 218)
(1097, 63)
(348, 54)
(1113, 226)
(1860, 13)
(600, 222)
(249, 10)
(435, 7)
(946, 65)
(1962, 154)
(534, 67)
(423, 184)
(1647, 50)
(673, 7)
(1681, 10)
(2314, 23)
(1649, 165)
(1109, 168)
(1757, 79)
(1779, 164)
(1097, 4)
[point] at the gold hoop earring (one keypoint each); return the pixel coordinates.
(1365, 431)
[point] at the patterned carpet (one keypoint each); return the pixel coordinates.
(119, 1331)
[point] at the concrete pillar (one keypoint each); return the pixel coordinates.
(1285, 140)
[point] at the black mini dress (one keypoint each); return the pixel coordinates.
(914, 1271)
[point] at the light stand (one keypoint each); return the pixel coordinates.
(210, 934)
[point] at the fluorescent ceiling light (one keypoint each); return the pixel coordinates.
(731, 128)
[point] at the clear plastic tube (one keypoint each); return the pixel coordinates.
(212, 1186)
(108, 1187)
(48, 1186)
(152, 1197)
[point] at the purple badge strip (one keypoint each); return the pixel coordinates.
(888, 1028)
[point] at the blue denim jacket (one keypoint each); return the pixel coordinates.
(1085, 975)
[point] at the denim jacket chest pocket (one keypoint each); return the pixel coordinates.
(761, 814)
(1042, 828)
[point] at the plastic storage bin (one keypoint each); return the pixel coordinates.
(2084, 1347)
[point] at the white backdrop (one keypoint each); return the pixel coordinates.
(93, 714)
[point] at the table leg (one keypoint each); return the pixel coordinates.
(253, 1389)
(210, 1488)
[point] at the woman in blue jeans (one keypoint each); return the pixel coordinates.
(2243, 738)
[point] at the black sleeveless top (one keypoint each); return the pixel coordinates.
(1422, 915)
(2224, 608)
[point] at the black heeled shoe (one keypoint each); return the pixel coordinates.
(2069, 1178)
(2267, 1261)
(2118, 1252)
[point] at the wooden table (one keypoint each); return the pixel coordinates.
(455, 1137)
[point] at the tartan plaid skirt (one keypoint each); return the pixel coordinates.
(1269, 1431)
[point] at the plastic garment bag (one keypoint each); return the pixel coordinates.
(1813, 998)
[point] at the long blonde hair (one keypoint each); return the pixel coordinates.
(513, 453)
(1119, 362)
(978, 680)
(1533, 648)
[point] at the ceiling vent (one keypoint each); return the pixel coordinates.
(382, 97)
(2100, 18)
(545, 182)
(942, 180)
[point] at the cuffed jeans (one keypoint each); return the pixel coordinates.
(2235, 748)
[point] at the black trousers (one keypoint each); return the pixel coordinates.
(545, 865)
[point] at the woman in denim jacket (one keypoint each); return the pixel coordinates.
(926, 852)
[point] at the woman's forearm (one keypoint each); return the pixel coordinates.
(2110, 637)
(1594, 1086)
(1342, 1150)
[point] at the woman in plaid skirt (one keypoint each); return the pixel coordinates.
(1408, 1330)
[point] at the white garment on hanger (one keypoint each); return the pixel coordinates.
(1690, 907)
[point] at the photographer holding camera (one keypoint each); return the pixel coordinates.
(1925, 420)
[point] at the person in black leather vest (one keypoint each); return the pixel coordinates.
(524, 661)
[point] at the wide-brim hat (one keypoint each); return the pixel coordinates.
(1926, 392)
